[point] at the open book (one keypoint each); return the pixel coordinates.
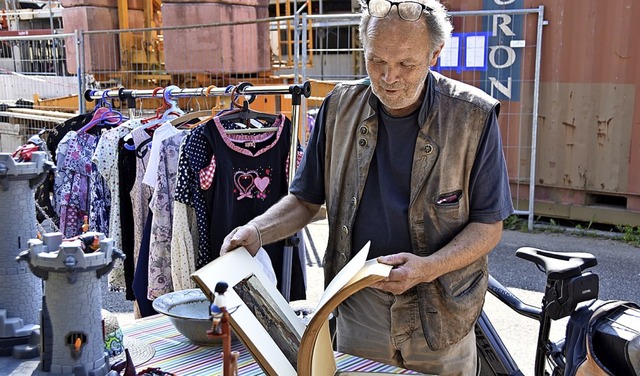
(267, 325)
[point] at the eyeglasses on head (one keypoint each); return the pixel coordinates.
(407, 10)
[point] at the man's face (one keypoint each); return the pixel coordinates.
(398, 59)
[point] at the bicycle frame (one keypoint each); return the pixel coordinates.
(492, 349)
(494, 358)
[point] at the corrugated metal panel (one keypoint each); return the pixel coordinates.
(589, 114)
(589, 96)
(585, 133)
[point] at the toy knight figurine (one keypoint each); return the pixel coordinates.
(218, 308)
(220, 329)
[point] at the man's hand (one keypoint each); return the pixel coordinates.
(475, 241)
(408, 270)
(282, 219)
(244, 236)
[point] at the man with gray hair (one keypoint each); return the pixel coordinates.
(411, 161)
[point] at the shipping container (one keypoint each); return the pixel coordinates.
(587, 164)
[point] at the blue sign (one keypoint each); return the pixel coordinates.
(506, 43)
(464, 52)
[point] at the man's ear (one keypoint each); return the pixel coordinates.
(434, 57)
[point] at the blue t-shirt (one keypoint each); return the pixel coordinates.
(382, 215)
(385, 198)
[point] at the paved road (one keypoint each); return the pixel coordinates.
(618, 263)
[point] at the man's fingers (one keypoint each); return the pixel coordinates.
(238, 237)
(396, 259)
(393, 287)
(231, 242)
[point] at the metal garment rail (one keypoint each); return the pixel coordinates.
(174, 92)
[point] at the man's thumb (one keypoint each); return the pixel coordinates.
(390, 260)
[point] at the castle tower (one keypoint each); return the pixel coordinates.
(20, 291)
(72, 334)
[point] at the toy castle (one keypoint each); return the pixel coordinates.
(20, 290)
(72, 331)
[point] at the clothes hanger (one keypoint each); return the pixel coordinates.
(147, 123)
(159, 110)
(173, 109)
(104, 114)
(108, 118)
(204, 115)
(153, 121)
(184, 119)
(242, 114)
(98, 103)
(169, 108)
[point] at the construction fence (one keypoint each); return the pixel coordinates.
(32, 67)
(498, 51)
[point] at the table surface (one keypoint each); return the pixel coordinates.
(176, 354)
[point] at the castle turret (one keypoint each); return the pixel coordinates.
(20, 290)
(72, 333)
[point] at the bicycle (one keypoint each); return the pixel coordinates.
(568, 284)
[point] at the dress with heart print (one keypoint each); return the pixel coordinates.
(244, 174)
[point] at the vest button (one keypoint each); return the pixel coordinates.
(354, 201)
(343, 258)
(364, 130)
(428, 148)
(345, 229)
(362, 142)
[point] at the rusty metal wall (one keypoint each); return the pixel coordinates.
(590, 103)
(588, 152)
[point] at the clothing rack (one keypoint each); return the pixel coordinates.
(244, 88)
(129, 96)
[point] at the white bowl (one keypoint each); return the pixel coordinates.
(188, 311)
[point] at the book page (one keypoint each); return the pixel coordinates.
(314, 346)
(345, 275)
(245, 276)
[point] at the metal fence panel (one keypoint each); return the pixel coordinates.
(32, 81)
(497, 51)
(218, 54)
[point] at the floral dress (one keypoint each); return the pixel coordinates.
(73, 179)
(105, 158)
(161, 205)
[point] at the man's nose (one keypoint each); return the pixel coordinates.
(391, 74)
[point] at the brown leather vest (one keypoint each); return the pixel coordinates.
(443, 158)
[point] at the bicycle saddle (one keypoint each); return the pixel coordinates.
(558, 265)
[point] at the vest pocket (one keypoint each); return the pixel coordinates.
(448, 209)
(459, 283)
(466, 284)
(449, 199)
(446, 216)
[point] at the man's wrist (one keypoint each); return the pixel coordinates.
(258, 233)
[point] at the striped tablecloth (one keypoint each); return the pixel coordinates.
(176, 354)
